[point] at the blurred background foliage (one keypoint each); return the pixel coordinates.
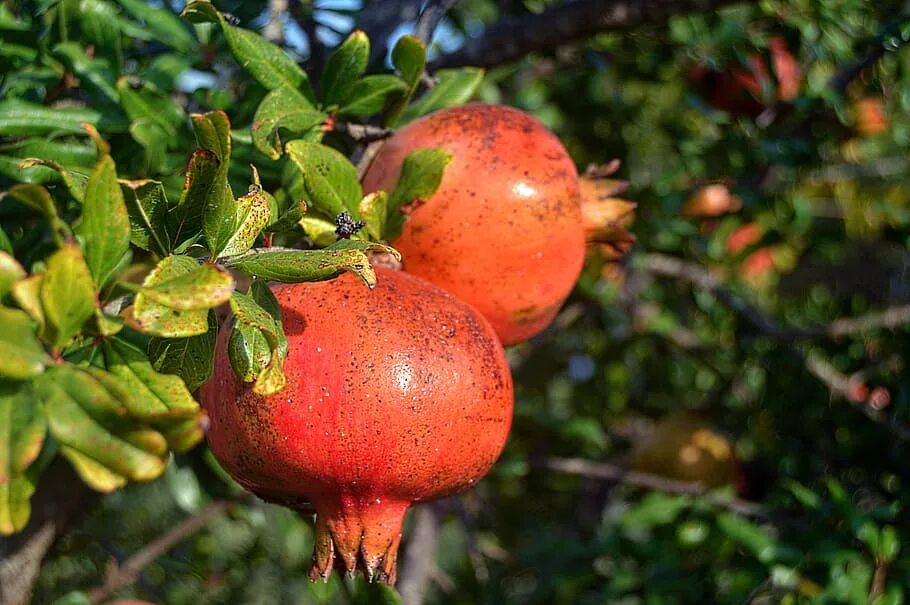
(770, 202)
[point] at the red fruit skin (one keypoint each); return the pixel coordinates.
(395, 395)
(504, 230)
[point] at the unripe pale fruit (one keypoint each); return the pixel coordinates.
(686, 449)
(503, 232)
(394, 395)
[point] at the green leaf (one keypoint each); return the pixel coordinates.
(142, 102)
(421, 174)
(213, 132)
(293, 266)
(96, 432)
(96, 74)
(374, 208)
(254, 213)
(185, 222)
(329, 178)
(153, 140)
(254, 327)
(266, 62)
(290, 219)
(204, 287)
(155, 397)
(219, 212)
(190, 358)
(164, 24)
(10, 272)
(75, 182)
(344, 67)
(15, 505)
(67, 295)
(22, 428)
(319, 231)
(158, 319)
(19, 118)
(410, 59)
(5, 244)
(99, 23)
(105, 226)
(754, 539)
(453, 87)
(371, 94)
(21, 355)
(282, 108)
(147, 206)
(35, 197)
(27, 294)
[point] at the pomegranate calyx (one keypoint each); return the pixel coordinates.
(358, 533)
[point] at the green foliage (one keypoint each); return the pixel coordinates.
(119, 242)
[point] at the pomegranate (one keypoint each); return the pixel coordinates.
(503, 232)
(395, 395)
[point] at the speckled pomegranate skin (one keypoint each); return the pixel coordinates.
(503, 232)
(394, 395)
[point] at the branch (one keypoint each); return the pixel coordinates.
(119, 576)
(274, 27)
(363, 133)
(60, 498)
(671, 266)
(420, 556)
(430, 18)
(618, 474)
(514, 37)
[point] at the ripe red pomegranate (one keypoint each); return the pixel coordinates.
(396, 395)
(503, 232)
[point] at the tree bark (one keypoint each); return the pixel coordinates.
(514, 37)
(59, 499)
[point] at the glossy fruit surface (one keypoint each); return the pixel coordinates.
(503, 232)
(394, 395)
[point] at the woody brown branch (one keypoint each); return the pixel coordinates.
(514, 37)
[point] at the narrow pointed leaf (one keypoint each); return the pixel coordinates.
(290, 220)
(283, 108)
(147, 206)
(421, 174)
(374, 210)
(164, 24)
(67, 295)
(27, 294)
(329, 178)
(75, 182)
(35, 197)
(410, 59)
(292, 266)
(266, 62)
(453, 87)
(105, 226)
(344, 67)
(254, 214)
(371, 94)
(219, 210)
(185, 221)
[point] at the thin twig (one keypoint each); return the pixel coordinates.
(366, 158)
(125, 574)
(670, 266)
(618, 474)
(274, 27)
(430, 17)
(363, 133)
(513, 38)
(879, 581)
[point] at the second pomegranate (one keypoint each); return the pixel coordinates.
(503, 232)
